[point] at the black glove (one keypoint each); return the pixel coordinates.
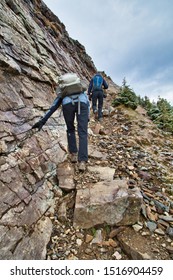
(104, 95)
(39, 124)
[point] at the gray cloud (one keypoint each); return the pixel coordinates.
(125, 38)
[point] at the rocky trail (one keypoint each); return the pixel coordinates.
(45, 202)
(134, 148)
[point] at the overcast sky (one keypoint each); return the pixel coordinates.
(125, 38)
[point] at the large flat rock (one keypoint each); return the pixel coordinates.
(107, 202)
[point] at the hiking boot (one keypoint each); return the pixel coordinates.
(95, 114)
(82, 166)
(74, 157)
(100, 119)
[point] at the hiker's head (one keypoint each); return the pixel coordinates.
(99, 73)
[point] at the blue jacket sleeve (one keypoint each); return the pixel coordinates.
(90, 86)
(56, 104)
(105, 85)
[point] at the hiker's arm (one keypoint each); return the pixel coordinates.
(56, 104)
(105, 85)
(90, 86)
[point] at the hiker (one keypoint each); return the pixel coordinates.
(96, 94)
(71, 94)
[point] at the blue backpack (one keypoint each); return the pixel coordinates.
(97, 82)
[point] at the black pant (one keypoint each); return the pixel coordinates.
(97, 96)
(69, 111)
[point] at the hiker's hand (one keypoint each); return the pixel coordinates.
(104, 95)
(38, 125)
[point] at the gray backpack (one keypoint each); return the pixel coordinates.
(69, 84)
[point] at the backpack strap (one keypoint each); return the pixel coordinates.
(75, 97)
(78, 105)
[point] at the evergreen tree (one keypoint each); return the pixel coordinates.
(145, 102)
(164, 120)
(160, 112)
(126, 96)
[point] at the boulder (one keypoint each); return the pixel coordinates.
(107, 202)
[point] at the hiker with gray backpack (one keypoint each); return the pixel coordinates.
(96, 94)
(71, 94)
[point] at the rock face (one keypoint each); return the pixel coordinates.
(35, 49)
(108, 202)
(128, 156)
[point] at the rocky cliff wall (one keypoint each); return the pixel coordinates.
(35, 49)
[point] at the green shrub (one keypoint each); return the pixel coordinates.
(126, 96)
(160, 112)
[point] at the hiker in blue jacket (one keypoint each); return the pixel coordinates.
(96, 94)
(77, 104)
